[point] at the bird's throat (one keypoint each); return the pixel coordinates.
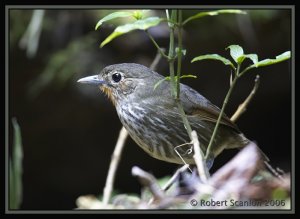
(109, 94)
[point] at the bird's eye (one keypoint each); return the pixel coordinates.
(116, 77)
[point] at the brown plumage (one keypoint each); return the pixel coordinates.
(151, 116)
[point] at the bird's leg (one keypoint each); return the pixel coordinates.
(209, 162)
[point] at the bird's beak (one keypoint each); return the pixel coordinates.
(93, 80)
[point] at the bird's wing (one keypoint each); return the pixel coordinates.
(195, 104)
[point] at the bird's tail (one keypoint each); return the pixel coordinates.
(266, 161)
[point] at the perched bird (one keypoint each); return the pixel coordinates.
(152, 119)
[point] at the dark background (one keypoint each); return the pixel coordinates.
(69, 130)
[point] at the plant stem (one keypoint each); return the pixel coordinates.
(208, 151)
(184, 118)
(198, 157)
(179, 55)
(243, 106)
(176, 83)
(172, 53)
(113, 166)
(245, 70)
(157, 46)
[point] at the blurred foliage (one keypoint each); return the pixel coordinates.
(19, 20)
(16, 169)
(63, 62)
(62, 65)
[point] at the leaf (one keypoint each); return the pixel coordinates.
(15, 168)
(213, 13)
(282, 57)
(253, 57)
(214, 57)
(183, 51)
(139, 14)
(168, 78)
(160, 81)
(236, 52)
(143, 24)
(113, 16)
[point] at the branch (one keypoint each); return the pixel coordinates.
(242, 107)
(113, 166)
(209, 147)
(172, 180)
(174, 177)
(198, 157)
(161, 51)
(157, 58)
(148, 180)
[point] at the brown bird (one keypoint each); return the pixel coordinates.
(152, 119)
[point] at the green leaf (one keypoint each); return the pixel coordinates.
(113, 16)
(282, 57)
(236, 53)
(139, 14)
(183, 51)
(15, 168)
(168, 78)
(214, 57)
(160, 81)
(143, 24)
(213, 13)
(186, 76)
(253, 57)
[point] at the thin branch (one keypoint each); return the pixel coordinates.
(113, 166)
(179, 54)
(171, 55)
(148, 180)
(157, 58)
(198, 157)
(174, 177)
(162, 52)
(272, 170)
(176, 87)
(209, 147)
(243, 107)
(172, 180)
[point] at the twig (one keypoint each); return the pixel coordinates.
(156, 60)
(176, 92)
(227, 97)
(272, 170)
(198, 157)
(160, 50)
(174, 177)
(242, 107)
(149, 181)
(113, 166)
(172, 180)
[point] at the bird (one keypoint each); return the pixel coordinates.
(150, 114)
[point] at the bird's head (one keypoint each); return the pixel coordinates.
(119, 81)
